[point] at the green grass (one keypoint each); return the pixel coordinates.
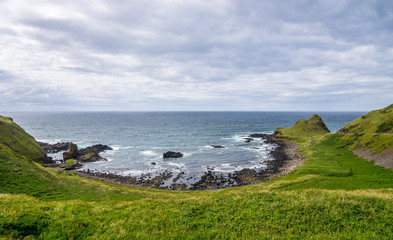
(70, 161)
(332, 166)
(304, 129)
(377, 121)
(15, 138)
(335, 195)
(376, 142)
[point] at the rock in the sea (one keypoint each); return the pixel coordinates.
(217, 146)
(72, 152)
(96, 148)
(153, 163)
(54, 148)
(247, 140)
(91, 157)
(259, 135)
(171, 154)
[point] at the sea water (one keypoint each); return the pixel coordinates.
(139, 139)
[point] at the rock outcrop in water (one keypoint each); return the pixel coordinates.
(54, 148)
(171, 154)
(88, 154)
(72, 152)
(217, 146)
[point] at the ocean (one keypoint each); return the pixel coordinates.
(139, 139)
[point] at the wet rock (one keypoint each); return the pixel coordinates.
(248, 140)
(217, 146)
(72, 152)
(259, 135)
(171, 154)
(180, 175)
(54, 148)
(91, 157)
(153, 163)
(95, 148)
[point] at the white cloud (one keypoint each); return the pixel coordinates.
(195, 55)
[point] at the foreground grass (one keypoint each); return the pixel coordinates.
(335, 195)
(252, 213)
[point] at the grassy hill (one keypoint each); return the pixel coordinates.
(18, 141)
(304, 129)
(335, 195)
(378, 121)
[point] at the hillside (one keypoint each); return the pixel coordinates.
(377, 121)
(335, 195)
(371, 136)
(18, 141)
(304, 129)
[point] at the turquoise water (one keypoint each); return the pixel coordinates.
(140, 138)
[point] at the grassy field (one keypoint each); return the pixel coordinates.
(335, 195)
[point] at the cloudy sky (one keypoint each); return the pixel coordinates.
(196, 55)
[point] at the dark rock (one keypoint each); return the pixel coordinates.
(72, 152)
(71, 167)
(91, 157)
(153, 163)
(217, 146)
(246, 175)
(171, 154)
(54, 148)
(247, 140)
(259, 135)
(96, 148)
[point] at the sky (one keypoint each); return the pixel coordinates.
(196, 55)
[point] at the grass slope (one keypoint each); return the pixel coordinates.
(16, 139)
(336, 195)
(377, 121)
(304, 129)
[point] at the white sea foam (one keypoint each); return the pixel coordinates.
(56, 156)
(135, 172)
(187, 154)
(50, 141)
(179, 165)
(148, 153)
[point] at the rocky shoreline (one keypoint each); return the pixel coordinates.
(285, 155)
(72, 156)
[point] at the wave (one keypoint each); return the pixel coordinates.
(149, 153)
(50, 141)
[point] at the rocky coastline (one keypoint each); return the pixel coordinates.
(73, 158)
(285, 158)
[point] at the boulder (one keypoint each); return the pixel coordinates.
(96, 148)
(91, 157)
(247, 140)
(171, 154)
(217, 146)
(72, 152)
